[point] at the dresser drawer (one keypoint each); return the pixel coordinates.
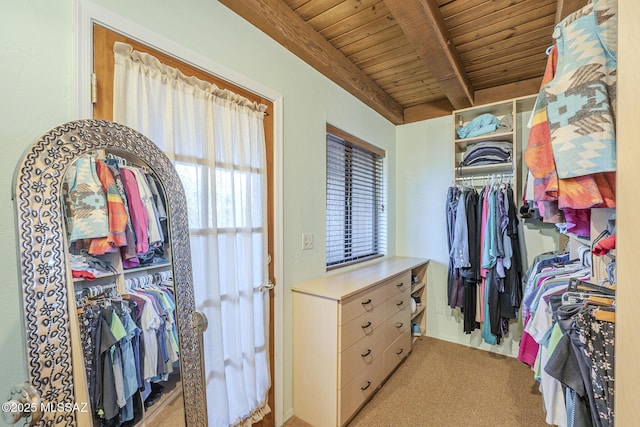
(396, 326)
(365, 325)
(358, 357)
(400, 284)
(354, 394)
(367, 301)
(398, 303)
(396, 353)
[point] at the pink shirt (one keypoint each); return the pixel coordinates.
(137, 211)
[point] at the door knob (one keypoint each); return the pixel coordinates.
(200, 321)
(270, 285)
(24, 402)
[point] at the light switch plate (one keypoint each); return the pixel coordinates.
(307, 241)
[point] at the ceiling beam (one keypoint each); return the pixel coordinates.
(565, 7)
(508, 91)
(283, 25)
(424, 27)
(431, 110)
(443, 107)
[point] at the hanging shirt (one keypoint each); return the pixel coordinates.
(139, 217)
(118, 216)
(489, 253)
(119, 333)
(128, 251)
(149, 323)
(552, 391)
(460, 248)
(146, 196)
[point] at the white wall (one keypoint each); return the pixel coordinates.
(35, 61)
(424, 173)
(36, 69)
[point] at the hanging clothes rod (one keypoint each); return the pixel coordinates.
(495, 178)
(95, 290)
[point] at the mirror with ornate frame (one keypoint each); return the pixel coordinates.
(56, 363)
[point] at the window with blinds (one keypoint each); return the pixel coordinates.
(356, 219)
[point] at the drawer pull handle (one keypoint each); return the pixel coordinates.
(366, 325)
(401, 284)
(366, 387)
(400, 352)
(366, 302)
(399, 303)
(367, 353)
(399, 325)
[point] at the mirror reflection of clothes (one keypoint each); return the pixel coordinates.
(127, 344)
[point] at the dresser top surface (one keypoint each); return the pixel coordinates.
(341, 285)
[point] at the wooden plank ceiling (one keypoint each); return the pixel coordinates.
(412, 60)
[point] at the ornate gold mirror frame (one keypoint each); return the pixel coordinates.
(43, 264)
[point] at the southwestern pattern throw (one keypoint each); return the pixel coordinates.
(582, 96)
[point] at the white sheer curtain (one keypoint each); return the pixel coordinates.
(216, 140)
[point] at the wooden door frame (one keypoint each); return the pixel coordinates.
(86, 14)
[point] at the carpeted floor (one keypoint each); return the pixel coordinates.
(446, 384)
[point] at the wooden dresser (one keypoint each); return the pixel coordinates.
(350, 331)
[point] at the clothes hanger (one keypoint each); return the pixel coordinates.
(605, 315)
(572, 297)
(605, 308)
(599, 301)
(577, 285)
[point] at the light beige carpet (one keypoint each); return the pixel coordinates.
(445, 384)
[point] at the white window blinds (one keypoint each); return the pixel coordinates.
(356, 219)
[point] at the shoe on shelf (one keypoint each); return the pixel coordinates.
(415, 330)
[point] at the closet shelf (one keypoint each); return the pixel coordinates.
(127, 271)
(499, 136)
(97, 276)
(417, 286)
(418, 311)
(148, 267)
(484, 169)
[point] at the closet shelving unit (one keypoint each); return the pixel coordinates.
(419, 292)
(510, 170)
(117, 279)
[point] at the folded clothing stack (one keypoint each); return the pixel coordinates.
(484, 124)
(487, 153)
